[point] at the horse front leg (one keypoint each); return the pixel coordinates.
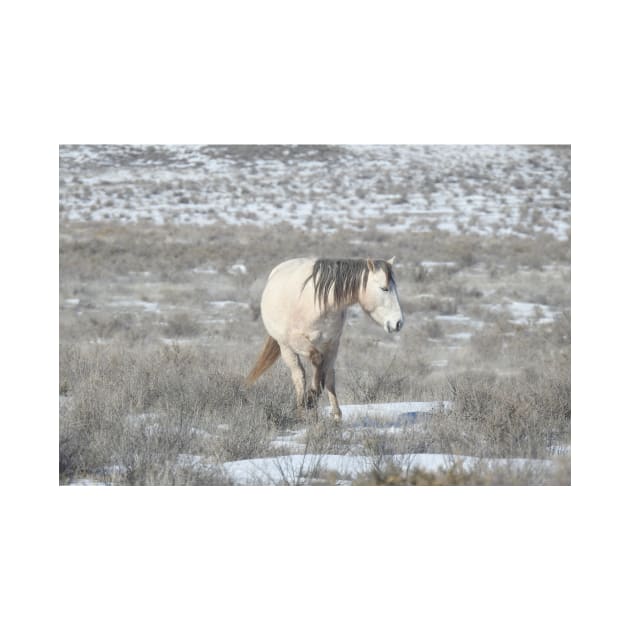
(324, 378)
(329, 383)
(317, 382)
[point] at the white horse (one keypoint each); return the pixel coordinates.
(303, 308)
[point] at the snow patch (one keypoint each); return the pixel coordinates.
(149, 307)
(299, 469)
(526, 312)
(394, 411)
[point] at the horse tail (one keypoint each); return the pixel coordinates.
(268, 356)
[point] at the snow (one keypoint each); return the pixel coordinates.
(152, 307)
(429, 264)
(227, 304)
(299, 469)
(526, 312)
(460, 336)
(459, 319)
(209, 270)
(86, 481)
(439, 363)
(394, 411)
(238, 269)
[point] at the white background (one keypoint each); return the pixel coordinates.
(257, 72)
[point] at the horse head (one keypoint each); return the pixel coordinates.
(379, 299)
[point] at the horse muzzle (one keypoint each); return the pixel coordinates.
(394, 326)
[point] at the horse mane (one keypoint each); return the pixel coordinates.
(345, 276)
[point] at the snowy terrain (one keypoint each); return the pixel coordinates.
(463, 313)
(309, 468)
(300, 468)
(475, 189)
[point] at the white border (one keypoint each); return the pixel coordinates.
(540, 72)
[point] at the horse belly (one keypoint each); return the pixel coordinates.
(312, 331)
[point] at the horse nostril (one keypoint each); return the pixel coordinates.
(398, 325)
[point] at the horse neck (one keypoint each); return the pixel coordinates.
(344, 304)
(350, 301)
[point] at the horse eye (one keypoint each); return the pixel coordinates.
(384, 288)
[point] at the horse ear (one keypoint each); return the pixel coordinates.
(370, 265)
(392, 260)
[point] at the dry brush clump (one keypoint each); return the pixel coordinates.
(526, 415)
(368, 386)
(129, 413)
(479, 474)
(393, 447)
(181, 324)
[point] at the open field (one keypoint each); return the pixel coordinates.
(164, 252)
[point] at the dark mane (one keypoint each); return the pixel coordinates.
(345, 276)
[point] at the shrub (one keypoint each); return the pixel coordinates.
(181, 325)
(481, 474)
(525, 415)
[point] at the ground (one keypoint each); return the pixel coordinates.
(164, 251)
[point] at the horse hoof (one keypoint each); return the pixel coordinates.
(311, 399)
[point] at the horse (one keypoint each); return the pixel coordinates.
(303, 308)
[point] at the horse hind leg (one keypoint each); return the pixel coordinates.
(297, 373)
